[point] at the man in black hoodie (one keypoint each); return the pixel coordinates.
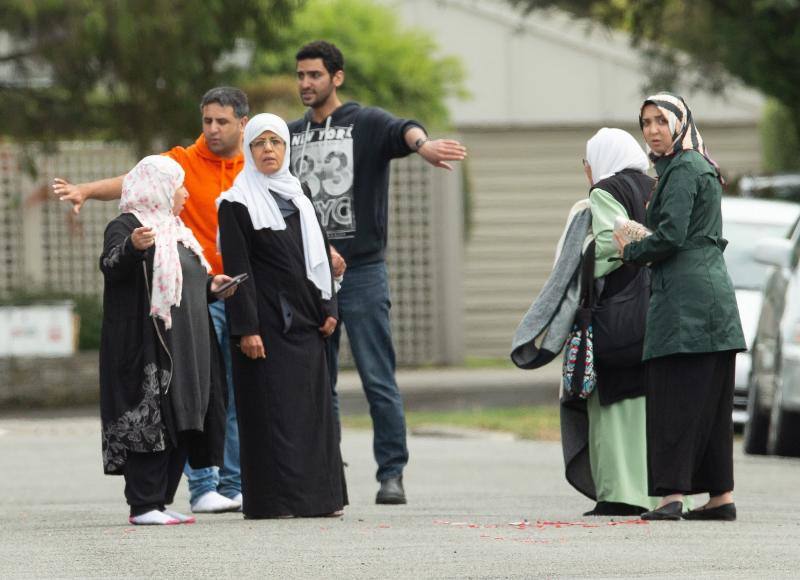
(342, 153)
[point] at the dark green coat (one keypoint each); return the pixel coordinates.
(693, 305)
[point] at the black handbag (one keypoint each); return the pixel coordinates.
(619, 323)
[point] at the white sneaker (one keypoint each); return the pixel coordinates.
(238, 497)
(153, 518)
(183, 519)
(212, 502)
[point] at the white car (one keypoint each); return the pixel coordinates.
(745, 221)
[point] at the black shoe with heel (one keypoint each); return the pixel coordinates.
(670, 512)
(615, 508)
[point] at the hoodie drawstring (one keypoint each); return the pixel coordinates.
(303, 150)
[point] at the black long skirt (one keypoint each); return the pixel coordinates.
(689, 423)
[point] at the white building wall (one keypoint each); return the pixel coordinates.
(547, 68)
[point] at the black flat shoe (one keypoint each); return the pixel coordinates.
(615, 508)
(670, 512)
(724, 513)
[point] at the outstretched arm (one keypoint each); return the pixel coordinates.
(437, 152)
(124, 249)
(78, 193)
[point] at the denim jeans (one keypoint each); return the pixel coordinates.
(227, 480)
(364, 311)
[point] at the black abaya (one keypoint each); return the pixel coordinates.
(290, 458)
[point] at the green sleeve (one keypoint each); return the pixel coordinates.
(674, 212)
(605, 210)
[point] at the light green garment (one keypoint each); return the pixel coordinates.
(605, 210)
(618, 451)
(617, 434)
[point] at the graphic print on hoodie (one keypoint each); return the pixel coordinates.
(344, 161)
(322, 158)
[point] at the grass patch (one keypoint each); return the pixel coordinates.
(479, 362)
(539, 422)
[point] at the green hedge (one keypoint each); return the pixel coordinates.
(780, 142)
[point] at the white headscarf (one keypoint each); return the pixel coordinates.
(612, 150)
(147, 192)
(252, 188)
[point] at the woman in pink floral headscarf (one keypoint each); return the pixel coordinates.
(161, 392)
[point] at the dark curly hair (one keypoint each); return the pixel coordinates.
(331, 56)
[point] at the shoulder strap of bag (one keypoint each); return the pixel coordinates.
(639, 195)
(587, 276)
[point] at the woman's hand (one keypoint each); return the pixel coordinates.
(218, 281)
(252, 346)
(328, 326)
(142, 238)
(621, 243)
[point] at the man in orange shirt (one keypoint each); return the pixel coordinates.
(211, 164)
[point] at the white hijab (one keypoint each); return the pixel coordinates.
(147, 192)
(612, 150)
(252, 188)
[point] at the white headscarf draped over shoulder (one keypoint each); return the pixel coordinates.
(147, 192)
(610, 151)
(252, 188)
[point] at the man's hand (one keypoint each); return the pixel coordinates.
(142, 238)
(438, 152)
(339, 265)
(252, 346)
(328, 327)
(67, 191)
(77, 194)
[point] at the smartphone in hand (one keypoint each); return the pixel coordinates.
(234, 281)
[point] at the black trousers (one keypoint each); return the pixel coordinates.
(689, 423)
(151, 479)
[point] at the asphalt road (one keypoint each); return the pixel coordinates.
(469, 498)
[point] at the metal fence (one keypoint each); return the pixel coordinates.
(43, 246)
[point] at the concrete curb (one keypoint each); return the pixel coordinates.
(68, 382)
(459, 388)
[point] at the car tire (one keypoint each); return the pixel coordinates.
(784, 430)
(756, 430)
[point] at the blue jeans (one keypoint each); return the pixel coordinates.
(364, 311)
(227, 480)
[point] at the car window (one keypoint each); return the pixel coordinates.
(795, 237)
(782, 187)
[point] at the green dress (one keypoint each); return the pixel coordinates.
(693, 304)
(617, 432)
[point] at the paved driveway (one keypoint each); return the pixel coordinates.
(469, 499)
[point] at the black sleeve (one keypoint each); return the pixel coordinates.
(210, 296)
(235, 228)
(119, 259)
(390, 130)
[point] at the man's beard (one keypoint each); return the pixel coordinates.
(319, 98)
